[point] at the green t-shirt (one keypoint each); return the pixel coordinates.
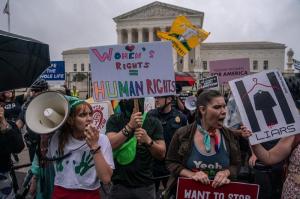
(139, 172)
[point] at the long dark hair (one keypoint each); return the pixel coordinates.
(68, 128)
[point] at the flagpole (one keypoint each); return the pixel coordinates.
(6, 11)
(8, 17)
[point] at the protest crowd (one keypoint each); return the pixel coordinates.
(196, 146)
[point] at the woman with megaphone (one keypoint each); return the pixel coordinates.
(87, 155)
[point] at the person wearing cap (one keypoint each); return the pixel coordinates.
(11, 141)
(83, 156)
(141, 137)
(171, 120)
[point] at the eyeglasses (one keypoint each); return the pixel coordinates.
(2, 104)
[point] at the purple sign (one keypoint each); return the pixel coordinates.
(229, 69)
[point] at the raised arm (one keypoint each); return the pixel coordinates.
(278, 153)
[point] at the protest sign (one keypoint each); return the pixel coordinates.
(229, 69)
(55, 74)
(190, 189)
(266, 106)
(132, 71)
(100, 116)
(149, 104)
(209, 82)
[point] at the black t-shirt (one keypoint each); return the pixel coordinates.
(11, 141)
(12, 110)
(139, 172)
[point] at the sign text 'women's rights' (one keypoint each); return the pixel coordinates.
(132, 71)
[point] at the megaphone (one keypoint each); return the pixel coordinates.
(47, 112)
(190, 103)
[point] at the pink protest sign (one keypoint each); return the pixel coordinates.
(229, 69)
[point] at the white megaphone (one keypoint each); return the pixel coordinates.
(47, 112)
(190, 103)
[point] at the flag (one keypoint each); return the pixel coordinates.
(116, 106)
(296, 64)
(6, 8)
(184, 35)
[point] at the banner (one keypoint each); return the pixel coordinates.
(209, 82)
(132, 71)
(55, 74)
(266, 106)
(229, 69)
(190, 189)
(184, 35)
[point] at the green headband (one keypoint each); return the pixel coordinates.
(74, 101)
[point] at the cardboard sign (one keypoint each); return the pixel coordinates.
(209, 82)
(229, 69)
(55, 74)
(100, 116)
(266, 106)
(189, 189)
(132, 71)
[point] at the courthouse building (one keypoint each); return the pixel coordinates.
(141, 24)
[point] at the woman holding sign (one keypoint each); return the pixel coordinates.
(204, 150)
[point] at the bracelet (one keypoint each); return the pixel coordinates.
(94, 151)
(129, 126)
(125, 132)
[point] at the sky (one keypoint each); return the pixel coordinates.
(68, 24)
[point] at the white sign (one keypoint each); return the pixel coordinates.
(149, 104)
(266, 106)
(132, 71)
(100, 115)
(209, 82)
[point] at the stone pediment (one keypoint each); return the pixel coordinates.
(157, 10)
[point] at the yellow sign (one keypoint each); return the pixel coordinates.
(184, 35)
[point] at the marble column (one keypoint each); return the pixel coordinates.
(197, 59)
(119, 33)
(140, 35)
(150, 31)
(186, 62)
(129, 35)
(175, 61)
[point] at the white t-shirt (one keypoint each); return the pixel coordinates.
(77, 171)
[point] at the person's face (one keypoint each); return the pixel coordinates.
(82, 119)
(159, 102)
(8, 94)
(214, 113)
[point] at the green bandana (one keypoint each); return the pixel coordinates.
(74, 101)
(206, 138)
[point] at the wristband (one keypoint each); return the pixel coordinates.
(125, 132)
(94, 151)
